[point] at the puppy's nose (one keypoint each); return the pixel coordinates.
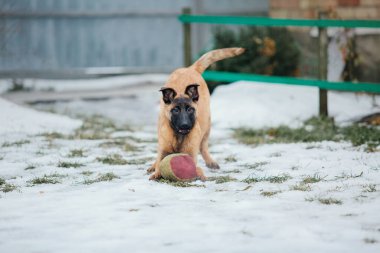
(185, 126)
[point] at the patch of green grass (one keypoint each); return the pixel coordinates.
(347, 176)
(312, 179)
(129, 147)
(40, 153)
(179, 183)
(222, 179)
(276, 154)
(360, 197)
(313, 146)
(70, 164)
(109, 176)
(116, 159)
(53, 135)
(76, 153)
(95, 127)
(87, 173)
(30, 167)
(90, 135)
(370, 240)
(230, 159)
(330, 201)
(372, 147)
(7, 187)
(2, 181)
(271, 179)
(121, 143)
(300, 187)
(117, 142)
(113, 159)
(362, 134)
(140, 161)
(246, 188)
(98, 122)
(279, 179)
(309, 199)
(140, 140)
(315, 129)
(252, 179)
(304, 185)
(269, 193)
(47, 179)
(369, 188)
(16, 143)
(255, 165)
(231, 171)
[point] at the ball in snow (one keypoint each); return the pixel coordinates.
(178, 167)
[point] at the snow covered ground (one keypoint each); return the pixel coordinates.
(261, 105)
(314, 197)
(84, 84)
(17, 119)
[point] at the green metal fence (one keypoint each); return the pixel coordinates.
(187, 19)
(342, 86)
(263, 21)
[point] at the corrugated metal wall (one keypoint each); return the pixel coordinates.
(67, 34)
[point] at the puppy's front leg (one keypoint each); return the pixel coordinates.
(156, 175)
(200, 174)
(155, 168)
(199, 171)
(152, 168)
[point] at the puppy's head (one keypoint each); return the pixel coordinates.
(180, 95)
(181, 110)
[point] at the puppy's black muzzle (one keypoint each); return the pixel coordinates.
(182, 116)
(183, 122)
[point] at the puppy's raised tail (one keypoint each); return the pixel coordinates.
(215, 55)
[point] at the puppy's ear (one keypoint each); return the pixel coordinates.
(192, 92)
(168, 95)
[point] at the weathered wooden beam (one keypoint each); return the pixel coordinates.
(322, 58)
(186, 39)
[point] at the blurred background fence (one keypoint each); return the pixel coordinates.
(272, 51)
(74, 37)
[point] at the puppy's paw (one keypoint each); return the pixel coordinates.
(155, 176)
(203, 178)
(213, 165)
(200, 174)
(150, 170)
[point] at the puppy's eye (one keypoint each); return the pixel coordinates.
(175, 110)
(190, 110)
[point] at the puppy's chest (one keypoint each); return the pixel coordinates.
(181, 144)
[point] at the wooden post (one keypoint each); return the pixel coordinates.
(186, 39)
(322, 58)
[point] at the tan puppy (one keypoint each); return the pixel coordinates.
(184, 119)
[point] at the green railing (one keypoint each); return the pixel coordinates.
(187, 19)
(342, 86)
(262, 21)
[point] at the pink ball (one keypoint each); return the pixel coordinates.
(178, 167)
